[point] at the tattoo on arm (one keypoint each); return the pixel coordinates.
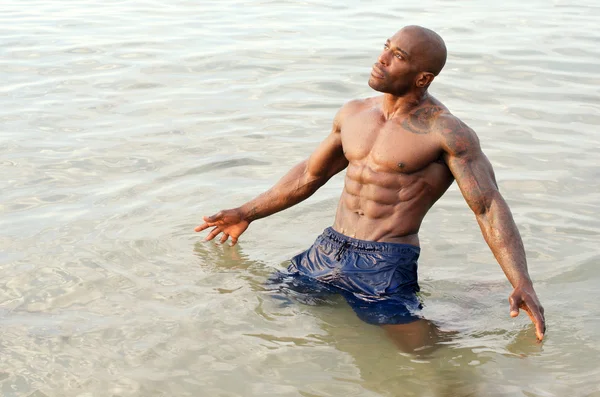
(252, 213)
(419, 121)
(468, 164)
(475, 177)
(459, 137)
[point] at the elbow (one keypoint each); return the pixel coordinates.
(313, 182)
(314, 177)
(309, 181)
(484, 206)
(492, 212)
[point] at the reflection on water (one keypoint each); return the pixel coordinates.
(124, 122)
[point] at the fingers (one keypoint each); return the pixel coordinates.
(201, 227)
(213, 233)
(514, 306)
(537, 317)
(213, 218)
(209, 221)
(533, 309)
(224, 238)
(540, 328)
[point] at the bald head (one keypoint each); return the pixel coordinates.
(427, 48)
(409, 62)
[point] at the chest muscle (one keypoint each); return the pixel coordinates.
(384, 146)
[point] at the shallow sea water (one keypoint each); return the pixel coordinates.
(122, 123)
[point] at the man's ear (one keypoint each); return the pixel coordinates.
(424, 79)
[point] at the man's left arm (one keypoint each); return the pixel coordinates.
(475, 178)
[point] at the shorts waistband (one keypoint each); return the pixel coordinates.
(365, 245)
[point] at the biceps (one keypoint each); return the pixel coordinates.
(328, 159)
(476, 180)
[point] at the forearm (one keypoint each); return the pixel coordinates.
(297, 185)
(502, 236)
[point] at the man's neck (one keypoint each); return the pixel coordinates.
(398, 105)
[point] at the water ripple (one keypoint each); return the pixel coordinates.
(123, 123)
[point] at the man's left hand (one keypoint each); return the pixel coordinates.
(525, 298)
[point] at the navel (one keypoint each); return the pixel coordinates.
(400, 165)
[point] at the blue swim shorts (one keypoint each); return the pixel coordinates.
(378, 280)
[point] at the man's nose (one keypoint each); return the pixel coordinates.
(383, 58)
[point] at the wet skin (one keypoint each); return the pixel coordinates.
(393, 176)
(401, 151)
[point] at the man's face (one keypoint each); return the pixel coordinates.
(395, 70)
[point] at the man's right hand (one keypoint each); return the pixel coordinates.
(231, 223)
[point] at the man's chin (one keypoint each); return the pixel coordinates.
(376, 84)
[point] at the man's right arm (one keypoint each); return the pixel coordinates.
(297, 185)
(302, 180)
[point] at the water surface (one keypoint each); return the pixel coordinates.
(122, 123)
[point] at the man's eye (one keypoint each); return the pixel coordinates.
(398, 56)
(385, 46)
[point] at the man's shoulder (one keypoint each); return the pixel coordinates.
(359, 104)
(447, 123)
(354, 107)
(456, 136)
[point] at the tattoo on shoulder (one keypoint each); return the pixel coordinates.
(419, 120)
(453, 125)
(458, 135)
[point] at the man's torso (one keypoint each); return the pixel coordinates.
(395, 172)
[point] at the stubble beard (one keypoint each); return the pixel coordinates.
(378, 85)
(381, 86)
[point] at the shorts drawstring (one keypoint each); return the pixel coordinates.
(341, 251)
